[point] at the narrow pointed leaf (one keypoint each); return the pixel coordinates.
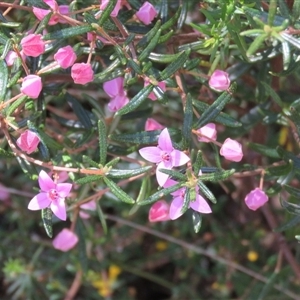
(146, 52)
(91, 162)
(88, 179)
(102, 218)
(197, 221)
(187, 122)
(188, 197)
(290, 207)
(102, 142)
(291, 223)
(47, 221)
(172, 21)
(198, 163)
(118, 192)
(206, 191)
(264, 150)
(256, 44)
(292, 191)
(149, 36)
(174, 174)
(3, 79)
(123, 174)
(68, 32)
(221, 175)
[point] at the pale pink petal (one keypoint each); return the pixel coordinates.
(208, 133)
(161, 177)
(64, 10)
(114, 87)
(179, 158)
(45, 182)
(162, 85)
(256, 199)
(152, 154)
(32, 86)
(117, 102)
(63, 189)
(175, 208)
(40, 201)
(65, 57)
(232, 150)
(219, 80)
(159, 211)
(164, 141)
(59, 208)
(115, 12)
(82, 73)
(91, 205)
(41, 13)
(65, 240)
(169, 183)
(33, 45)
(151, 124)
(52, 3)
(146, 13)
(200, 205)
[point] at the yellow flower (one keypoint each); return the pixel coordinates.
(252, 256)
(161, 245)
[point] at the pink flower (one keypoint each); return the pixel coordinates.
(151, 124)
(232, 150)
(115, 90)
(52, 195)
(92, 205)
(256, 198)
(11, 57)
(32, 86)
(65, 57)
(65, 240)
(61, 9)
(208, 133)
(146, 13)
(159, 211)
(82, 73)
(164, 155)
(199, 204)
(219, 81)
(28, 141)
(33, 45)
(115, 12)
(161, 84)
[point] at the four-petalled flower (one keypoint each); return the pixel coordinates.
(164, 155)
(51, 195)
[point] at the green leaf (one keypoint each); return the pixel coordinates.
(183, 14)
(264, 150)
(136, 101)
(197, 221)
(272, 93)
(286, 55)
(290, 39)
(295, 114)
(123, 174)
(146, 52)
(143, 137)
(47, 220)
(205, 190)
(296, 10)
(161, 193)
(13, 106)
(272, 11)
(80, 112)
(189, 196)
(7, 154)
(187, 122)
(287, 156)
(290, 207)
(164, 38)
(222, 118)
(102, 142)
(88, 179)
(292, 191)
(291, 223)
(217, 176)
(102, 218)
(174, 66)
(107, 11)
(148, 37)
(43, 23)
(68, 32)
(256, 44)
(118, 192)
(172, 21)
(214, 110)
(198, 163)
(108, 70)
(3, 79)
(92, 163)
(174, 174)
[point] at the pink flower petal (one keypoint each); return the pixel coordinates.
(232, 150)
(63, 189)
(161, 177)
(32, 86)
(151, 124)
(159, 211)
(219, 80)
(146, 13)
(33, 45)
(82, 73)
(115, 12)
(59, 208)
(40, 201)
(45, 182)
(207, 131)
(175, 208)
(65, 240)
(179, 158)
(200, 205)
(117, 102)
(114, 87)
(152, 154)
(164, 141)
(65, 57)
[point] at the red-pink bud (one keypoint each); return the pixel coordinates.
(28, 141)
(33, 45)
(82, 73)
(232, 150)
(65, 240)
(115, 12)
(31, 86)
(208, 131)
(219, 80)
(65, 57)
(146, 13)
(159, 211)
(151, 124)
(256, 199)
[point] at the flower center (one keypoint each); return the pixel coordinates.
(165, 156)
(53, 195)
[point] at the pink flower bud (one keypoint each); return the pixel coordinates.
(115, 12)
(33, 45)
(151, 124)
(256, 199)
(207, 131)
(219, 81)
(65, 240)
(11, 57)
(159, 211)
(82, 73)
(146, 13)
(92, 205)
(232, 150)
(65, 57)
(31, 86)
(28, 141)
